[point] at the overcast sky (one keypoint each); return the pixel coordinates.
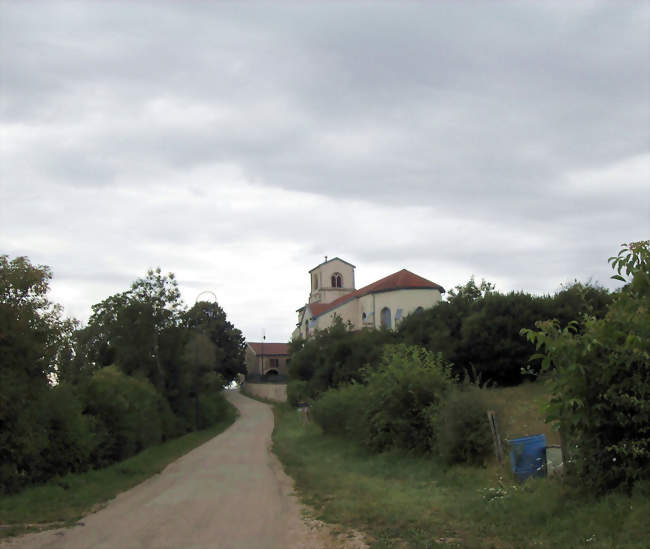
(237, 144)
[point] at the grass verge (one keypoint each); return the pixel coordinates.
(403, 500)
(64, 500)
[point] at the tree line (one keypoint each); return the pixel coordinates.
(476, 330)
(144, 369)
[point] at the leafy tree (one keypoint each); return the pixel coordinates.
(601, 379)
(210, 320)
(33, 340)
(477, 328)
(126, 328)
(335, 356)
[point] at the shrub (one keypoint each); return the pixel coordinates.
(601, 380)
(70, 437)
(297, 392)
(128, 414)
(213, 407)
(401, 395)
(461, 430)
(341, 411)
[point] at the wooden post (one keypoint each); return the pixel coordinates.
(564, 446)
(498, 449)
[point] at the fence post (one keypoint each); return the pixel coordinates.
(498, 449)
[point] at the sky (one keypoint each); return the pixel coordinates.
(237, 144)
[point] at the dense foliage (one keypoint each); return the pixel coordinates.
(460, 427)
(144, 369)
(394, 406)
(478, 328)
(601, 380)
(333, 357)
(409, 401)
(381, 387)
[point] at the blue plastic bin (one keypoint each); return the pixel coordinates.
(528, 456)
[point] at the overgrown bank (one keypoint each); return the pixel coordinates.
(408, 500)
(402, 447)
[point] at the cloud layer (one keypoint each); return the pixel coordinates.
(237, 144)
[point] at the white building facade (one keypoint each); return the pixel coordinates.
(380, 304)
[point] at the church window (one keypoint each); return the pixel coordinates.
(337, 280)
(315, 281)
(385, 318)
(419, 310)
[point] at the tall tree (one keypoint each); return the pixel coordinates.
(32, 340)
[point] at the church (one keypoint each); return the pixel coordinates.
(380, 304)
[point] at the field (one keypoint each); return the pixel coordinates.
(64, 500)
(411, 501)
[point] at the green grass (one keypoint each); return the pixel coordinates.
(64, 500)
(411, 501)
(520, 410)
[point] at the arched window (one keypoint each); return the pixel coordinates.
(385, 318)
(419, 310)
(315, 282)
(337, 280)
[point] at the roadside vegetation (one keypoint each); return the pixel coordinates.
(404, 499)
(64, 500)
(404, 432)
(145, 370)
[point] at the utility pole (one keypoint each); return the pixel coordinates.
(262, 364)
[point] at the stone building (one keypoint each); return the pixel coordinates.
(264, 358)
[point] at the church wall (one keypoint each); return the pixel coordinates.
(347, 312)
(407, 300)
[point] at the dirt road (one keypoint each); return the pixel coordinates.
(230, 492)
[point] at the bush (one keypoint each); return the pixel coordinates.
(213, 407)
(401, 395)
(342, 411)
(128, 414)
(461, 429)
(601, 380)
(297, 392)
(71, 440)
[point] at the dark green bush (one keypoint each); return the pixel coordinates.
(128, 414)
(342, 411)
(70, 437)
(401, 394)
(600, 380)
(298, 391)
(461, 432)
(213, 407)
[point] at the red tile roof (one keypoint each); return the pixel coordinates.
(401, 280)
(269, 348)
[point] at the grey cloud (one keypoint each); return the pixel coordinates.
(477, 111)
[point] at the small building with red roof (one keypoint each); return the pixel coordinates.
(380, 304)
(264, 358)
